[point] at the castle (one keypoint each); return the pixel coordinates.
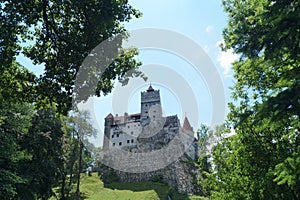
(147, 145)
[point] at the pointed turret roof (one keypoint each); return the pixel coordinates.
(150, 88)
(186, 125)
(109, 116)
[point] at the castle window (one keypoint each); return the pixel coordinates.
(131, 132)
(114, 144)
(131, 140)
(146, 112)
(128, 141)
(120, 143)
(128, 126)
(117, 135)
(113, 136)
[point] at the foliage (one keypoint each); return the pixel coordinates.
(37, 145)
(8, 161)
(262, 160)
(59, 35)
(83, 129)
(208, 138)
(15, 116)
(43, 145)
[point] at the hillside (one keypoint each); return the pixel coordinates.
(93, 189)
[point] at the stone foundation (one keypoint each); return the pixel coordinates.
(181, 175)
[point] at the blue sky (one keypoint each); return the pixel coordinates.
(202, 22)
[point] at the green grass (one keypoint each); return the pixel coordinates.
(93, 189)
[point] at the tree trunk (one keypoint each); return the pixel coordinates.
(79, 169)
(71, 173)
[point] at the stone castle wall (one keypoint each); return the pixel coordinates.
(180, 175)
(161, 150)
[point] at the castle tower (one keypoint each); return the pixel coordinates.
(150, 103)
(148, 132)
(109, 120)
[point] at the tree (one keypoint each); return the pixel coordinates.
(43, 144)
(14, 124)
(70, 156)
(262, 160)
(60, 35)
(208, 138)
(83, 129)
(15, 116)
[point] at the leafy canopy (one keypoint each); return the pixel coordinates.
(59, 35)
(262, 160)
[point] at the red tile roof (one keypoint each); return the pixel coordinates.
(121, 119)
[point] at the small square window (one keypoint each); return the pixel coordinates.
(120, 143)
(128, 141)
(132, 140)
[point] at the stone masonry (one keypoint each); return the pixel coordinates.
(149, 147)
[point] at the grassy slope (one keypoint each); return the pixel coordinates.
(93, 189)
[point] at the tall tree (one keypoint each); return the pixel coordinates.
(43, 144)
(15, 116)
(262, 160)
(83, 129)
(208, 138)
(60, 35)
(70, 156)
(13, 126)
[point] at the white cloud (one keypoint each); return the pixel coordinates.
(209, 28)
(226, 58)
